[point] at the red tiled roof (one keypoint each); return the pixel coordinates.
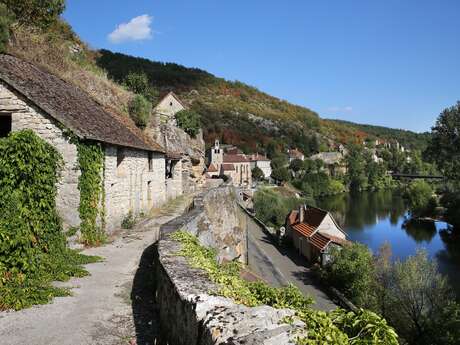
(228, 167)
(319, 240)
(212, 168)
(294, 153)
(304, 229)
(235, 159)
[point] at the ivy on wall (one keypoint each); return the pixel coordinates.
(92, 196)
(33, 250)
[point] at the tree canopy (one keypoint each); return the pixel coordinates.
(40, 13)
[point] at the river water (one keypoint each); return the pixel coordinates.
(374, 218)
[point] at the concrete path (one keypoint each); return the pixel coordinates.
(112, 306)
(280, 266)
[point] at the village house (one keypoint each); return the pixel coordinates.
(314, 232)
(334, 162)
(134, 166)
(294, 154)
(168, 106)
(261, 162)
(234, 164)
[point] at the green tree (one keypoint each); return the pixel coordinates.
(279, 161)
(420, 198)
(444, 147)
(351, 270)
(139, 83)
(356, 167)
(281, 174)
(40, 13)
(270, 207)
(422, 303)
(5, 22)
(189, 121)
(139, 110)
(257, 174)
(296, 165)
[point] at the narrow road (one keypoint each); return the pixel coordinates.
(112, 306)
(279, 266)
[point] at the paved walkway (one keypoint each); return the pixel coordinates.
(112, 306)
(279, 266)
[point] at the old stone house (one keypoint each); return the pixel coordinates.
(313, 232)
(294, 154)
(334, 162)
(184, 154)
(134, 166)
(261, 162)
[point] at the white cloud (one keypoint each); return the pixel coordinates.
(346, 109)
(137, 29)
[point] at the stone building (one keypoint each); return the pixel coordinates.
(235, 165)
(294, 154)
(184, 154)
(313, 232)
(134, 165)
(261, 162)
(334, 162)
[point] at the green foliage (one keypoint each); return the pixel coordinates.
(139, 109)
(33, 250)
(337, 327)
(5, 22)
(356, 167)
(257, 174)
(272, 208)
(420, 198)
(139, 83)
(40, 13)
(444, 148)
(281, 174)
(351, 269)
(129, 221)
(189, 121)
(90, 184)
(296, 165)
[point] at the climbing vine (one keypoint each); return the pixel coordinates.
(33, 250)
(90, 184)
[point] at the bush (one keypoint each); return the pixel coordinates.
(257, 174)
(33, 249)
(40, 13)
(5, 22)
(129, 221)
(420, 198)
(189, 121)
(139, 84)
(139, 110)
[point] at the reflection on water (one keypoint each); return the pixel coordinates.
(374, 218)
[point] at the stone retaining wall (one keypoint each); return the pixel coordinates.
(189, 310)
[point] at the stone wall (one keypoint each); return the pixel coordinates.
(131, 186)
(221, 224)
(188, 308)
(26, 116)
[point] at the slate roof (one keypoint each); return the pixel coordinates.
(71, 106)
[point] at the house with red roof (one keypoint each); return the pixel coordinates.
(314, 232)
(295, 154)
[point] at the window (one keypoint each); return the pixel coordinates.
(120, 155)
(5, 125)
(150, 161)
(170, 104)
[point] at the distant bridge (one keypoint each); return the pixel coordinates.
(414, 176)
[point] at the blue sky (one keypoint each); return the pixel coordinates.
(393, 63)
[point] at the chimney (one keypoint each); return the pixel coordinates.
(301, 213)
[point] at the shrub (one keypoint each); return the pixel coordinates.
(41, 13)
(139, 109)
(257, 174)
(420, 198)
(129, 221)
(189, 121)
(5, 22)
(33, 248)
(139, 84)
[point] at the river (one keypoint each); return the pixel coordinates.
(374, 218)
